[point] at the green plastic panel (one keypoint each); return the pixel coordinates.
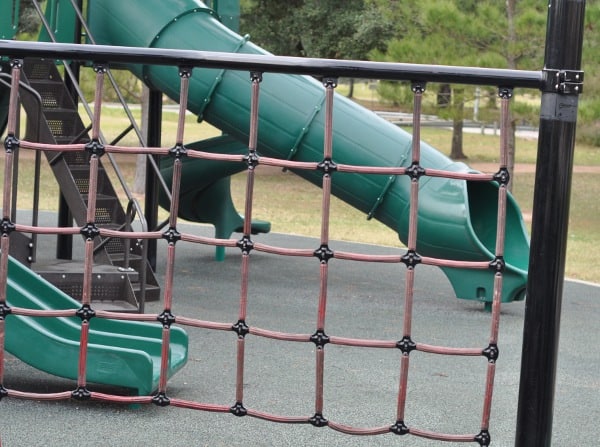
(62, 19)
(9, 19)
(4, 103)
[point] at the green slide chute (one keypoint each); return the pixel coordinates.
(120, 353)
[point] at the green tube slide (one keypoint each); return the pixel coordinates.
(120, 353)
(4, 99)
(457, 219)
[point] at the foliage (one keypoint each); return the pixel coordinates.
(588, 129)
(469, 33)
(129, 86)
(29, 21)
(316, 28)
(271, 25)
(480, 33)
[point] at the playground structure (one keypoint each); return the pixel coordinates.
(457, 219)
(393, 180)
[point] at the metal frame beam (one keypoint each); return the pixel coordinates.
(280, 64)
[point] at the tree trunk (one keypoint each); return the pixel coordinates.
(456, 150)
(512, 64)
(351, 88)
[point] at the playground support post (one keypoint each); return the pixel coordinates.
(558, 119)
(64, 243)
(153, 139)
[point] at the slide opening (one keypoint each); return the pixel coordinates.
(483, 211)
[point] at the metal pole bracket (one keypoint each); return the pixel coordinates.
(566, 82)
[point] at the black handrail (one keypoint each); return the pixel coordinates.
(278, 64)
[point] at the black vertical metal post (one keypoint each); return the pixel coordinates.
(64, 243)
(563, 83)
(153, 139)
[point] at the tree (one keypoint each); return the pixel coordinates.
(272, 25)
(588, 128)
(422, 43)
(29, 21)
(485, 33)
(317, 28)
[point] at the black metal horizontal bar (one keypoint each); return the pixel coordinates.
(276, 64)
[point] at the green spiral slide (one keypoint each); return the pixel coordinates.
(457, 219)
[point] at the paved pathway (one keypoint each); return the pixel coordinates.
(364, 300)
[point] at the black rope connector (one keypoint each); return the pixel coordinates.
(95, 147)
(256, 76)
(330, 82)
(86, 313)
(238, 409)
(502, 176)
(185, 71)
(6, 226)
(418, 86)
(252, 159)
(411, 259)
(324, 253)
(240, 328)
(16, 63)
(3, 392)
(318, 420)
(505, 92)
(491, 353)
(498, 264)
(399, 428)
(4, 310)
(166, 318)
(245, 244)
(483, 438)
(90, 231)
(171, 235)
(161, 400)
(81, 393)
(415, 170)
(11, 143)
(319, 338)
(178, 151)
(100, 67)
(327, 166)
(406, 345)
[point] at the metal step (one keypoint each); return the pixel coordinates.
(111, 287)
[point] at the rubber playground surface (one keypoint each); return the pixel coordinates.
(365, 300)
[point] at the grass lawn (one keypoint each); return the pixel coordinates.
(275, 190)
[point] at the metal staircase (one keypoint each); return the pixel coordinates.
(124, 279)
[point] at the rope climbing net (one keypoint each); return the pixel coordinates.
(243, 329)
